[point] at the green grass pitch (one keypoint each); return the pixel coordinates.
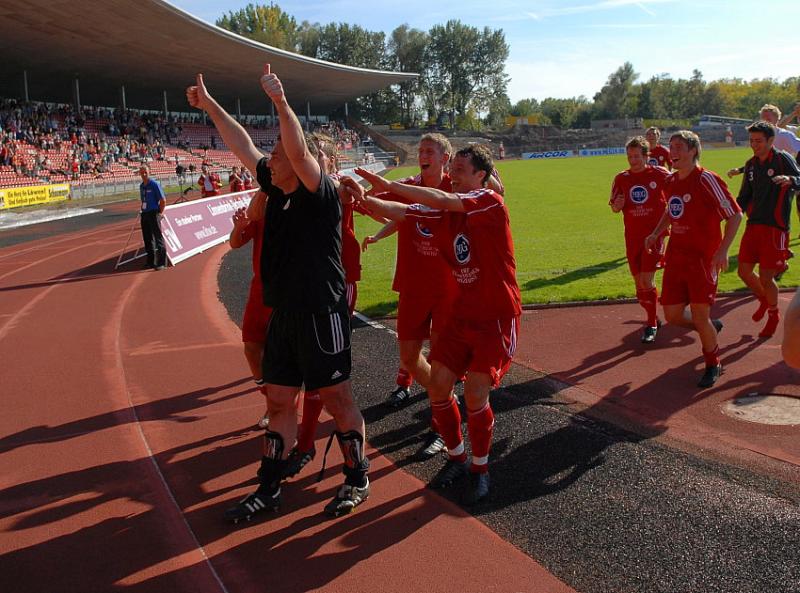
(569, 246)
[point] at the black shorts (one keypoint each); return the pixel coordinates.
(308, 348)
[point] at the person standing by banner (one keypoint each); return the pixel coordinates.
(153, 203)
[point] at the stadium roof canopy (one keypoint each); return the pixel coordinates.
(150, 46)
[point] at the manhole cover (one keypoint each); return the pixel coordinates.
(764, 408)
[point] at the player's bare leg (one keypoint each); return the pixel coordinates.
(766, 278)
(747, 274)
(253, 353)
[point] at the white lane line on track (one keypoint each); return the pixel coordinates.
(137, 422)
(41, 244)
(363, 318)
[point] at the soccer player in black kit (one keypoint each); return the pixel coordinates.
(308, 340)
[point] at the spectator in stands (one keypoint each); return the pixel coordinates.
(209, 182)
(235, 180)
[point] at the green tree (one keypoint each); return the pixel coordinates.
(406, 49)
(265, 23)
(617, 98)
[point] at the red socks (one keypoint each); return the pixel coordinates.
(481, 426)
(773, 319)
(711, 358)
(762, 309)
(312, 408)
(404, 378)
(448, 421)
(648, 299)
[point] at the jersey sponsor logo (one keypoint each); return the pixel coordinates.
(675, 206)
(652, 161)
(424, 231)
(639, 194)
(461, 248)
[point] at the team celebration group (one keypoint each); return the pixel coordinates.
(455, 275)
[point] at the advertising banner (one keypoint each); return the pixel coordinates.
(550, 154)
(190, 228)
(14, 197)
(601, 151)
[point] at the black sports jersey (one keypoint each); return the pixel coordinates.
(301, 256)
(764, 201)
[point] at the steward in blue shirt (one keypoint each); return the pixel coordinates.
(153, 203)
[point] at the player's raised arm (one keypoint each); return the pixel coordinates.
(427, 196)
(233, 134)
(304, 164)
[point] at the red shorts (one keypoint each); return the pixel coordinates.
(640, 261)
(477, 346)
(256, 315)
(351, 292)
(766, 246)
(688, 280)
(418, 316)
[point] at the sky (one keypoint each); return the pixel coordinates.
(568, 48)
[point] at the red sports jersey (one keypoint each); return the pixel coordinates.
(659, 157)
(420, 268)
(696, 205)
(351, 249)
(645, 200)
(255, 231)
(477, 245)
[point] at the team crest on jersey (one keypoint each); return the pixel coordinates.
(639, 194)
(424, 231)
(770, 172)
(675, 206)
(653, 185)
(687, 198)
(461, 248)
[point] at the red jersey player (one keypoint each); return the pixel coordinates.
(771, 178)
(658, 155)
(639, 194)
(479, 339)
(698, 200)
(235, 180)
(249, 225)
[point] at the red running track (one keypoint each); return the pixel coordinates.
(126, 434)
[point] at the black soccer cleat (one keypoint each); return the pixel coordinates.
(398, 397)
(434, 444)
(253, 504)
(347, 498)
(649, 335)
(297, 461)
(477, 489)
(452, 472)
(710, 376)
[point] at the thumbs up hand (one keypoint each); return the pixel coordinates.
(198, 96)
(272, 85)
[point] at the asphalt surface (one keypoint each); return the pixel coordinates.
(604, 509)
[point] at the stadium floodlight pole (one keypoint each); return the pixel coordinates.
(76, 92)
(25, 85)
(166, 109)
(122, 96)
(239, 108)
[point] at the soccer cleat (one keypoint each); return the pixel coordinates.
(477, 489)
(263, 422)
(347, 498)
(297, 461)
(451, 473)
(710, 376)
(772, 324)
(398, 397)
(649, 335)
(253, 504)
(718, 325)
(434, 444)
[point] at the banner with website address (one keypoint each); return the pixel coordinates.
(190, 228)
(16, 197)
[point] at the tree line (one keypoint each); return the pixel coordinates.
(462, 76)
